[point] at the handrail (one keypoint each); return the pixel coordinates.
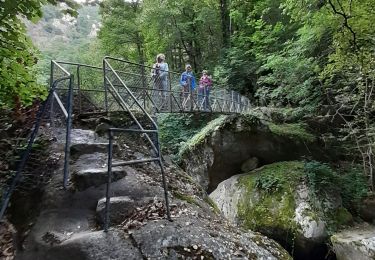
(105, 62)
(58, 65)
(108, 85)
(68, 115)
(27, 151)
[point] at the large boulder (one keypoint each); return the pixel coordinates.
(275, 200)
(219, 150)
(355, 243)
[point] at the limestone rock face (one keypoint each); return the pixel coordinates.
(311, 228)
(355, 243)
(217, 153)
(227, 196)
(277, 209)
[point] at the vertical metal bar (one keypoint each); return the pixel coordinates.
(109, 179)
(51, 87)
(79, 89)
(190, 94)
(105, 87)
(144, 86)
(231, 101)
(170, 92)
(162, 174)
(68, 132)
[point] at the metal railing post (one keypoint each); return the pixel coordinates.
(160, 161)
(105, 86)
(109, 180)
(79, 89)
(68, 133)
(170, 92)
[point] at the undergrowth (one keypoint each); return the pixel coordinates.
(176, 129)
(349, 183)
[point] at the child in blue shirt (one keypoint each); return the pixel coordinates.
(187, 79)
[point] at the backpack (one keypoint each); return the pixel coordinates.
(156, 70)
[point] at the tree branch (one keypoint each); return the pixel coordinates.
(346, 22)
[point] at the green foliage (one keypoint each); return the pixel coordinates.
(185, 31)
(354, 188)
(269, 183)
(201, 136)
(321, 179)
(350, 184)
(176, 130)
(122, 28)
(18, 83)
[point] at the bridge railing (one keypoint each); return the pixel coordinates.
(89, 95)
(171, 97)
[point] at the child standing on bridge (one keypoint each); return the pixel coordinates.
(187, 82)
(159, 74)
(205, 85)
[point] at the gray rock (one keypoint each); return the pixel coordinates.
(356, 243)
(96, 245)
(88, 148)
(367, 209)
(311, 228)
(222, 150)
(187, 237)
(250, 164)
(79, 136)
(102, 128)
(56, 225)
(226, 196)
(120, 208)
(95, 177)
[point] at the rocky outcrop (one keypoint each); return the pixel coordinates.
(275, 200)
(367, 209)
(226, 143)
(355, 243)
(69, 224)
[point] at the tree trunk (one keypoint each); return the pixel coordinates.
(225, 22)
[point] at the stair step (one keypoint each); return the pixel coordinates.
(89, 148)
(120, 208)
(61, 223)
(83, 179)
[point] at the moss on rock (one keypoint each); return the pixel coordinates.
(272, 203)
(269, 200)
(237, 123)
(293, 131)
